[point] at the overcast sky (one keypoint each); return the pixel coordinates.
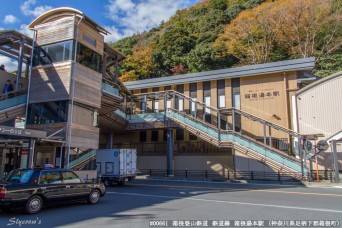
(121, 17)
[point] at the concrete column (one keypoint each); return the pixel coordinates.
(110, 140)
(2, 162)
(169, 152)
(337, 174)
(31, 153)
(20, 63)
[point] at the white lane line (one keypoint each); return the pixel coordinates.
(230, 202)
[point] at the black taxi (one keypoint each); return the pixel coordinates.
(34, 188)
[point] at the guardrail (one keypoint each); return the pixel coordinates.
(222, 175)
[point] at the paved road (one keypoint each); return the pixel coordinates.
(138, 203)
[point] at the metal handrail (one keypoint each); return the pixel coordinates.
(82, 158)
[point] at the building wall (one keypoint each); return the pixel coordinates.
(87, 86)
(265, 96)
(51, 80)
(320, 108)
(319, 111)
(90, 38)
(55, 29)
(215, 163)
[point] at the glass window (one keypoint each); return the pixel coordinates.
(54, 53)
(181, 105)
(48, 112)
(143, 136)
(192, 137)
(50, 177)
(19, 176)
(89, 58)
(154, 136)
(193, 106)
(70, 177)
(168, 104)
(207, 103)
(156, 105)
(222, 101)
(179, 134)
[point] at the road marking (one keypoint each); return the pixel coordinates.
(242, 189)
(230, 202)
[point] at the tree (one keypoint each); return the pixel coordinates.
(284, 29)
(308, 27)
(250, 37)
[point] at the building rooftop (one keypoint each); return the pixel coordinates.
(65, 10)
(304, 64)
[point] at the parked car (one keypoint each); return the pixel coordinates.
(35, 188)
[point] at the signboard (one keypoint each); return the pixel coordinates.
(322, 145)
(4, 130)
(262, 95)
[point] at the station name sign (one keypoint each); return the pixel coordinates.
(4, 130)
(267, 94)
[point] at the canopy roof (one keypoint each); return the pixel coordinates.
(10, 42)
(67, 10)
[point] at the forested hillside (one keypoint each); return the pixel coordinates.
(216, 34)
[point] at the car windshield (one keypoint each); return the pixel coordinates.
(19, 176)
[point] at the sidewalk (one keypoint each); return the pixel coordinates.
(322, 183)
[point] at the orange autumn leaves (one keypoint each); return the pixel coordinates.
(284, 28)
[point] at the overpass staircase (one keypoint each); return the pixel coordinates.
(220, 130)
(13, 106)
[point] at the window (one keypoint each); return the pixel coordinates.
(222, 101)
(48, 112)
(193, 106)
(179, 134)
(168, 104)
(165, 135)
(221, 93)
(53, 53)
(156, 105)
(207, 103)
(89, 58)
(154, 136)
(181, 104)
(207, 95)
(19, 176)
(143, 136)
(192, 137)
(70, 177)
(50, 177)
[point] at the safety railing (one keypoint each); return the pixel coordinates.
(13, 99)
(223, 175)
(223, 125)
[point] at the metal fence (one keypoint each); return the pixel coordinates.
(322, 175)
(223, 176)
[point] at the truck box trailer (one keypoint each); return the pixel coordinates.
(116, 165)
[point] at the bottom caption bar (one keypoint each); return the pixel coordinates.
(244, 223)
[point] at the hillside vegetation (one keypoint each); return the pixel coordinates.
(216, 34)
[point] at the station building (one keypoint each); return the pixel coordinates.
(237, 119)
(263, 91)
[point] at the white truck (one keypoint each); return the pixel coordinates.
(116, 165)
